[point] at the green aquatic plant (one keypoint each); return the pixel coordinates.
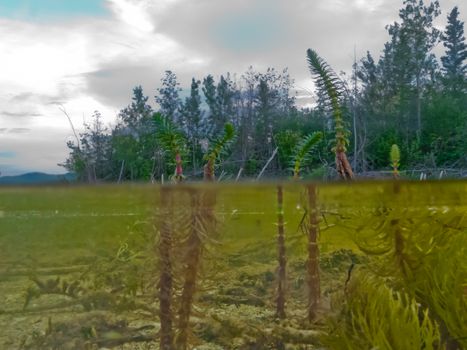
(302, 151)
(200, 226)
(166, 271)
(173, 142)
(373, 316)
(423, 255)
(441, 286)
(282, 258)
(311, 230)
(328, 81)
(218, 147)
(395, 157)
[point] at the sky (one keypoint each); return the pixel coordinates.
(87, 55)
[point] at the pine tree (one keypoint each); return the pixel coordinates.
(454, 68)
(410, 55)
(133, 141)
(220, 102)
(191, 117)
(137, 115)
(167, 97)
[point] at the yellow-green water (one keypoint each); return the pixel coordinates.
(80, 266)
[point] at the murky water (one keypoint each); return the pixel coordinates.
(271, 266)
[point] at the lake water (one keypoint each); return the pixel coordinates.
(365, 265)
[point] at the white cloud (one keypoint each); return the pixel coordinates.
(133, 14)
(48, 63)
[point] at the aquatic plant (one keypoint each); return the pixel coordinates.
(172, 141)
(217, 148)
(328, 81)
(282, 259)
(166, 278)
(395, 157)
(440, 286)
(302, 150)
(312, 262)
(375, 316)
(199, 226)
(422, 255)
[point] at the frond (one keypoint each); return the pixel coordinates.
(221, 144)
(303, 149)
(327, 80)
(395, 155)
(168, 135)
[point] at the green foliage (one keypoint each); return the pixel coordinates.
(441, 287)
(167, 97)
(377, 317)
(327, 80)
(454, 67)
(302, 150)
(221, 144)
(170, 138)
(395, 157)
(422, 255)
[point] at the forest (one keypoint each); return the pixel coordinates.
(406, 96)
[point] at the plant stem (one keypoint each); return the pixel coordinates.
(165, 283)
(281, 286)
(192, 260)
(343, 166)
(312, 263)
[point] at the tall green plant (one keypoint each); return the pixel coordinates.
(166, 271)
(282, 259)
(172, 141)
(311, 230)
(327, 80)
(302, 151)
(217, 148)
(376, 317)
(395, 156)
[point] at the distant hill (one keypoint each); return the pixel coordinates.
(36, 178)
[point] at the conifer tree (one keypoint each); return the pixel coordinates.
(191, 118)
(167, 97)
(454, 67)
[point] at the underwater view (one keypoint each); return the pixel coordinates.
(367, 265)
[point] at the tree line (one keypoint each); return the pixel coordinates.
(407, 96)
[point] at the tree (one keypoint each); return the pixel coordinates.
(133, 141)
(191, 116)
(137, 115)
(220, 102)
(167, 97)
(411, 45)
(454, 68)
(90, 159)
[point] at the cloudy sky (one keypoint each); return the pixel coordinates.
(87, 55)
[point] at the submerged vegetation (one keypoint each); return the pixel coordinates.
(201, 270)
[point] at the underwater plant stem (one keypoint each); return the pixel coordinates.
(192, 260)
(165, 282)
(312, 263)
(281, 285)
